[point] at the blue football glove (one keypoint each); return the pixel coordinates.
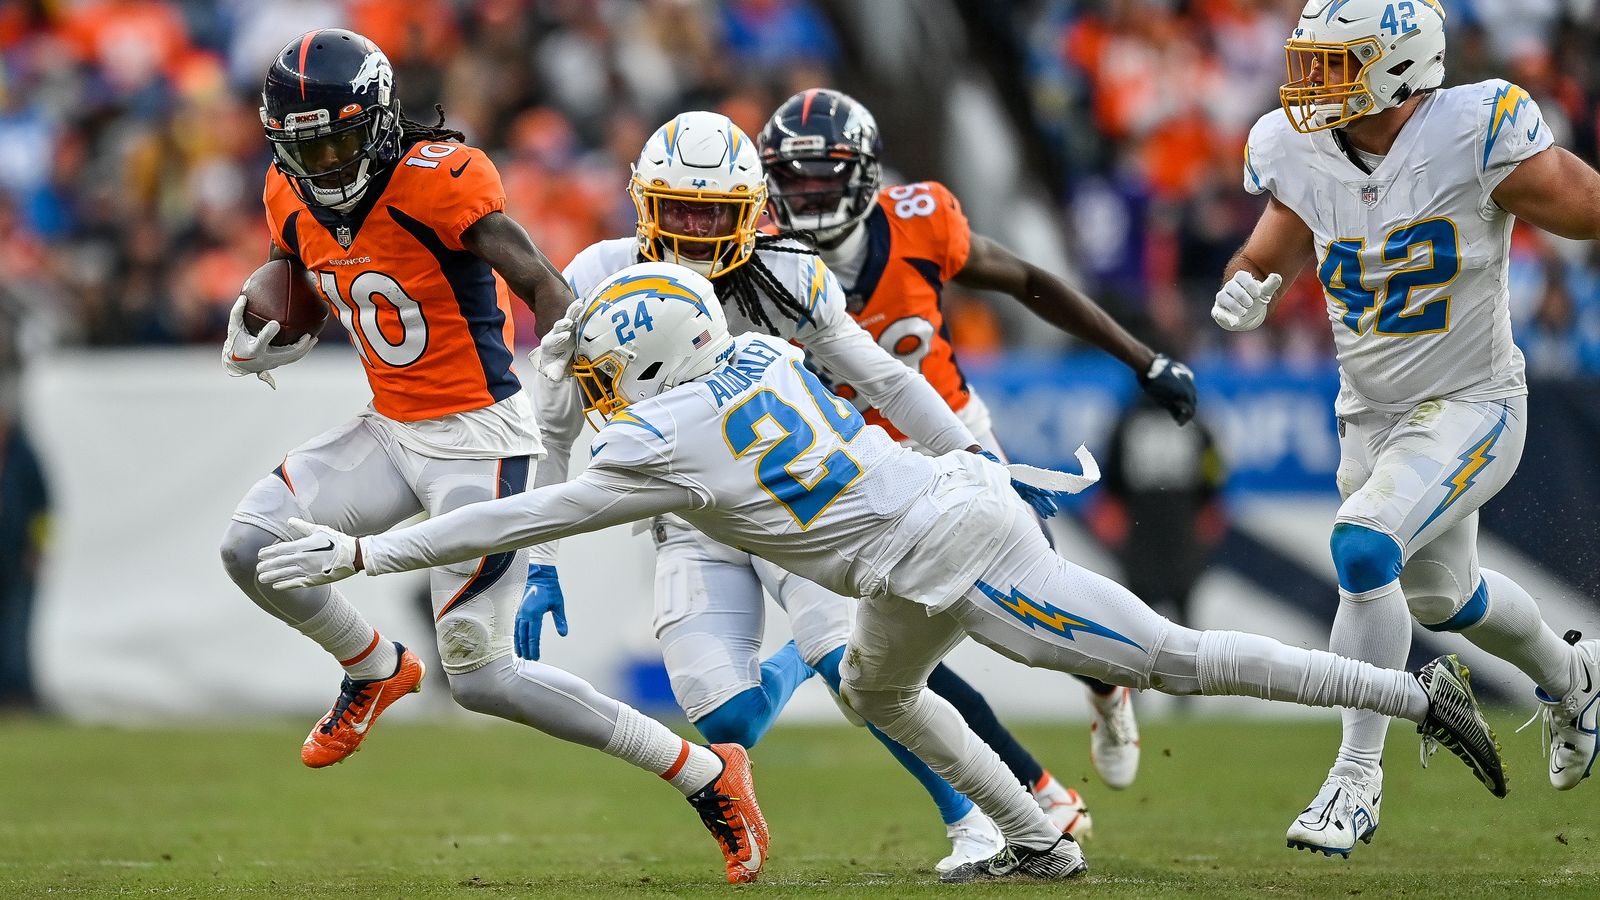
(542, 595)
(1171, 384)
(1043, 501)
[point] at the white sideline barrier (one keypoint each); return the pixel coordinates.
(147, 453)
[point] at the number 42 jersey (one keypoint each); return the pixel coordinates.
(1412, 256)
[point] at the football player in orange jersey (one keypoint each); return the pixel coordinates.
(403, 228)
(893, 249)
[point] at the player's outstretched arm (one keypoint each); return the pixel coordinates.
(898, 391)
(503, 243)
(990, 266)
(594, 501)
(1555, 191)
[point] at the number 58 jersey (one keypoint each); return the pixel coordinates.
(1412, 256)
(429, 319)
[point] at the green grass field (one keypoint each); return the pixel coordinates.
(500, 811)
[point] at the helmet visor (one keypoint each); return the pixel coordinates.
(699, 226)
(327, 156)
(1327, 82)
(811, 193)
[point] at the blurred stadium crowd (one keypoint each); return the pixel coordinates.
(131, 155)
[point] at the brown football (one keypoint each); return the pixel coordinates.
(283, 291)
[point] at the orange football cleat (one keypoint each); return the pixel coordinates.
(728, 808)
(342, 730)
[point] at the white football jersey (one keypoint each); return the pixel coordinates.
(761, 456)
(1412, 257)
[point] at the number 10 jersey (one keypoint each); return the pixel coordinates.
(1413, 256)
(429, 319)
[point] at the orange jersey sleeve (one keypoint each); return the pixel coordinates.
(430, 320)
(474, 190)
(917, 239)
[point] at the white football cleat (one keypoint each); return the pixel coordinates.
(1114, 738)
(1062, 860)
(973, 838)
(1344, 811)
(1063, 806)
(1570, 723)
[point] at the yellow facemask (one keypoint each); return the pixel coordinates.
(727, 251)
(1322, 92)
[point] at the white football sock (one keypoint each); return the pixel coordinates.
(1513, 629)
(1374, 626)
(651, 746)
(1252, 665)
(928, 726)
(342, 631)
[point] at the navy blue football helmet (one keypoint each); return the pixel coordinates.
(329, 109)
(821, 151)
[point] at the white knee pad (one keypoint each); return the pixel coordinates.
(468, 641)
(1433, 592)
(241, 547)
(881, 707)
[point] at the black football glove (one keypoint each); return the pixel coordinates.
(1171, 384)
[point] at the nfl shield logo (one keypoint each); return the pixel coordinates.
(342, 233)
(1369, 194)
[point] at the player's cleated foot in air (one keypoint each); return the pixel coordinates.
(1455, 722)
(728, 809)
(1063, 806)
(973, 838)
(1114, 738)
(346, 725)
(1344, 811)
(1063, 860)
(1570, 723)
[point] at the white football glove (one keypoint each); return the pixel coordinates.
(244, 353)
(319, 555)
(1242, 303)
(553, 356)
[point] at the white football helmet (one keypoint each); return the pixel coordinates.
(1350, 58)
(698, 188)
(650, 327)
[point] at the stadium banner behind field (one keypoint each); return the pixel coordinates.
(148, 452)
(1275, 424)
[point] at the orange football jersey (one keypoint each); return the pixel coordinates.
(917, 239)
(430, 320)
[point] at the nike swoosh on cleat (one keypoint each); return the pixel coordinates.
(1588, 681)
(456, 172)
(366, 720)
(237, 358)
(754, 865)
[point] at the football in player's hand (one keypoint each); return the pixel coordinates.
(282, 291)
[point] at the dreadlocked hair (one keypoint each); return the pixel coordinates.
(753, 281)
(415, 132)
